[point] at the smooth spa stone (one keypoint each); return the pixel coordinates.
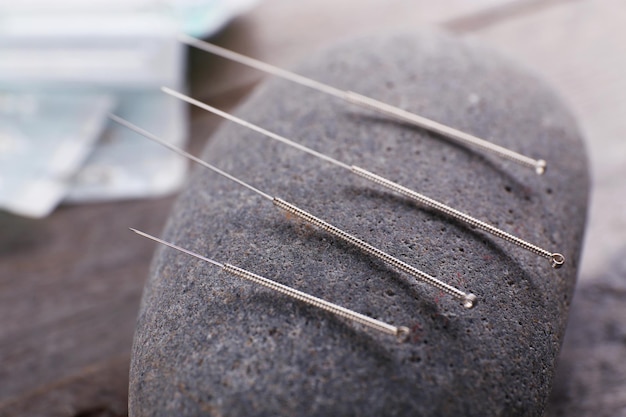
(208, 343)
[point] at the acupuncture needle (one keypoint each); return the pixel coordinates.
(467, 299)
(556, 259)
(539, 165)
(401, 332)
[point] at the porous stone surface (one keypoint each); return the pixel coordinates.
(208, 343)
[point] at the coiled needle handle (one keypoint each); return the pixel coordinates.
(468, 300)
(556, 259)
(400, 332)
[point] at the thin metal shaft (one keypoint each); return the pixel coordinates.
(556, 259)
(251, 126)
(261, 66)
(178, 248)
(187, 155)
(539, 165)
(400, 332)
(467, 299)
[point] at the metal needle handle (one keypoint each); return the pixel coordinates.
(367, 102)
(468, 300)
(447, 131)
(556, 259)
(400, 332)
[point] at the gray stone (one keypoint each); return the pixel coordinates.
(211, 344)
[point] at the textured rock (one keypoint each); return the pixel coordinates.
(210, 344)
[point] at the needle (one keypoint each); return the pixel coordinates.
(539, 165)
(401, 332)
(556, 259)
(467, 299)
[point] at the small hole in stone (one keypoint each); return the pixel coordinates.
(507, 188)
(390, 293)
(549, 190)
(415, 358)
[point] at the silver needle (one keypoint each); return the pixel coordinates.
(467, 299)
(556, 259)
(181, 152)
(401, 332)
(539, 165)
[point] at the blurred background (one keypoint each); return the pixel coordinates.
(71, 275)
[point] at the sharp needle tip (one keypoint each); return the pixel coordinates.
(140, 233)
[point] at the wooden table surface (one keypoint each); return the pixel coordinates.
(70, 284)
